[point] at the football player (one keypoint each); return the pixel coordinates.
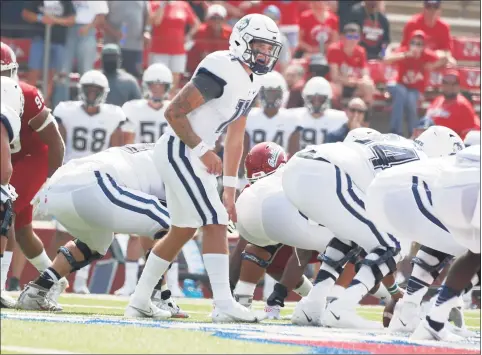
(9, 132)
(88, 126)
(272, 122)
(93, 197)
(339, 174)
(317, 118)
(217, 98)
(35, 156)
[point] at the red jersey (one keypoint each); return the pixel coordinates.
(29, 143)
(411, 72)
(168, 37)
(457, 114)
(314, 31)
(348, 65)
(290, 11)
(438, 36)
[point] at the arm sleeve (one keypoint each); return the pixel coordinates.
(209, 85)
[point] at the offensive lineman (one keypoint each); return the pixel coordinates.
(88, 126)
(339, 174)
(93, 197)
(35, 156)
(218, 97)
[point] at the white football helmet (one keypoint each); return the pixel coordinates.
(439, 141)
(317, 94)
(95, 82)
(273, 90)
(259, 28)
(472, 138)
(13, 123)
(12, 94)
(156, 73)
(8, 61)
(361, 133)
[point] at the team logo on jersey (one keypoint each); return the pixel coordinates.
(274, 153)
(242, 24)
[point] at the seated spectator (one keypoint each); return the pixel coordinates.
(213, 35)
(318, 66)
(285, 56)
(169, 20)
(348, 67)
(375, 28)
(294, 76)
(344, 11)
(436, 30)
(123, 86)
(318, 29)
(60, 15)
(452, 109)
(413, 64)
(356, 112)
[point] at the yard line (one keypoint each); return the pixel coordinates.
(26, 350)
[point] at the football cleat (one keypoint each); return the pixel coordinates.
(425, 332)
(146, 311)
(406, 317)
(35, 298)
(234, 312)
(168, 305)
(57, 290)
(308, 313)
(6, 301)
(125, 291)
(337, 317)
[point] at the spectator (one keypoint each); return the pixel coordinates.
(81, 45)
(200, 8)
(344, 11)
(213, 35)
(452, 109)
(375, 28)
(436, 30)
(127, 25)
(355, 112)
(169, 20)
(413, 62)
(318, 29)
(236, 9)
(294, 75)
(123, 86)
(285, 56)
(58, 14)
(348, 66)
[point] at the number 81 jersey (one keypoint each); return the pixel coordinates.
(87, 134)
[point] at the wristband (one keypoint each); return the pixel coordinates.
(40, 17)
(200, 149)
(230, 181)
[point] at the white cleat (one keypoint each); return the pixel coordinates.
(406, 317)
(6, 301)
(35, 298)
(347, 319)
(168, 305)
(232, 313)
(308, 313)
(425, 332)
(57, 289)
(81, 290)
(146, 311)
(125, 291)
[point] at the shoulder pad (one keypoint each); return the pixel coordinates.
(64, 106)
(220, 64)
(130, 107)
(255, 111)
(116, 111)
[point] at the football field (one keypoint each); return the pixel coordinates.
(94, 324)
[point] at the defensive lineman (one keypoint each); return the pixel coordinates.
(218, 97)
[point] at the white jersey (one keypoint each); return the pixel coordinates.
(87, 134)
(211, 119)
(130, 166)
(148, 124)
(12, 123)
(277, 129)
(364, 159)
(314, 130)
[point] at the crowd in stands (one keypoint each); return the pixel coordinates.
(347, 42)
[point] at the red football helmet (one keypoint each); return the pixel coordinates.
(8, 61)
(263, 159)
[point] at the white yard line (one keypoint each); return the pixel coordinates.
(26, 350)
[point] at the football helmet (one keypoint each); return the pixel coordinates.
(12, 94)
(472, 138)
(273, 90)
(439, 141)
(156, 73)
(360, 133)
(263, 160)
(317, 94)
(255, 28)
(8, 61)
(94, 88)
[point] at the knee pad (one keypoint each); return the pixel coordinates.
(385, 256)
(350, 251)
(434, 270)
(89, 256)
(272, 249)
